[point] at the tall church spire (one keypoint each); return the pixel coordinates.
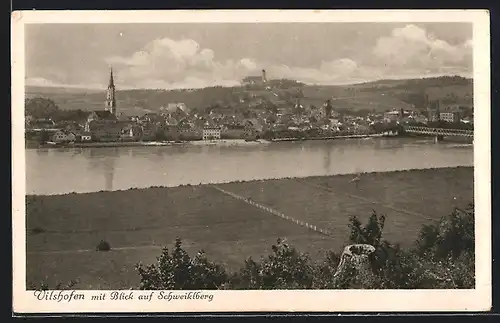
(110, 95)
(111, 81)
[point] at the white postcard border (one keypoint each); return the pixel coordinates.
(478, 299)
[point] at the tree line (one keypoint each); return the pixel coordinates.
(441, 257)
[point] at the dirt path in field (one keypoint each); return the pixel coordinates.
(273, 211)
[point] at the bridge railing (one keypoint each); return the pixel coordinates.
(438, 130)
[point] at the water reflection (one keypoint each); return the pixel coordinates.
(103, 161)
(94, 169)
(327, 159)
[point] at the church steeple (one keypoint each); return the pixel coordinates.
(111, 81)
(110, 95)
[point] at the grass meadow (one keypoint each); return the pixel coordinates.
(64, 230)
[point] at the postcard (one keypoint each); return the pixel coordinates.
(251, 161)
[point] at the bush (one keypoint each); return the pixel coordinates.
(58, 286)
(37, 230)
(369, 234)
(443, 257)
(103, 246)
(177, 270)
(450, 237)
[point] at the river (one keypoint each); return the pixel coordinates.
(62, 170)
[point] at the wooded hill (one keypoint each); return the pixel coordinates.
(377, 96)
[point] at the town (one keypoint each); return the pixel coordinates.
(267, 109)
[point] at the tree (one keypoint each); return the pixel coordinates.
(40, 108)
(177, 270)
(443, 257)
(371, 233)
(452, 236)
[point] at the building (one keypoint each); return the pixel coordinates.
(101, 116)
(174, 107)
(106, 131)
(211, 133)
(171, 132)
(148, 132)
(63, 136)
(327, 106)
(255, 80)
(419, 118)
(59, 136)
(450, 117)
(103, 125)
(391, 116)
(253, 129)
(42, 124)
(84, 137)
(233, 131)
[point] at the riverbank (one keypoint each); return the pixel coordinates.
(222, 142)
(63, 230)
(334, 137)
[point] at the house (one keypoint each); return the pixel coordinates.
(253, 129)
(450, 117)
(85, 137)
(171, 120)
(150, 117)
(392, 116)
(335, 122)
(233, 131)
(419, 118)
(174, 107)
(211, 133)
(466, 120)
(63, 136)
(171, 132)
(130, 132)
(187, 133)
(101, 115)
(59, 136)
(450, 114)
(106, 131)
(148, 132)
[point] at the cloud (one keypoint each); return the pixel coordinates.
(167, 63)
(411, 49)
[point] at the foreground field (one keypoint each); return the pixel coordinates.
(63, 231)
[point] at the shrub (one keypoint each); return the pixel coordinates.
(370, 234)
(286, 268)
(450, 237)
(443, 258)
(37, 230)
(58, 286)
(177, 270)
(103, 246)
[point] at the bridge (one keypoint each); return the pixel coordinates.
(439, 132)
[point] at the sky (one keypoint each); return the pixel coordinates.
(194, 55)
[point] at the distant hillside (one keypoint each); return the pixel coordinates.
(378, 96)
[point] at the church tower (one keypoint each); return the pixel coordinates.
(110, 95)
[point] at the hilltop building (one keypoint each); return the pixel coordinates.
(255, 80)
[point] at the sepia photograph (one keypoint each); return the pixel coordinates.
(209, 160)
